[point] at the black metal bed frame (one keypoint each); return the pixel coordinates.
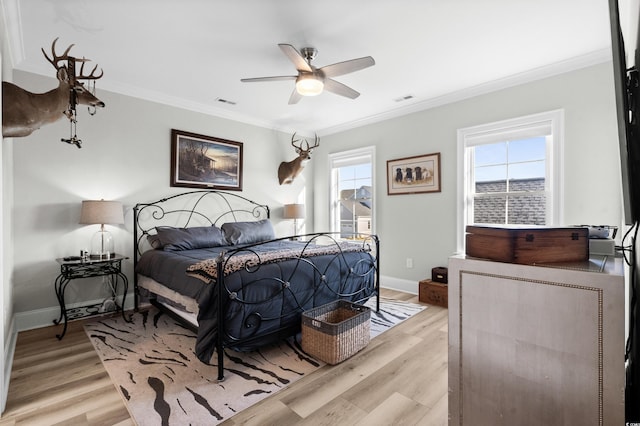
(192, 210)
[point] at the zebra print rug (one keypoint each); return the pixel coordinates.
(153, 364)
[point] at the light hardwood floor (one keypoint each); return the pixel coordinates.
(399, 378)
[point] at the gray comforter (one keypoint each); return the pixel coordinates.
(265, 287)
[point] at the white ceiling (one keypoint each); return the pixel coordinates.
(190, 53)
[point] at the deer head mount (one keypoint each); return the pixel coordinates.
(288, 171)
(23, 111)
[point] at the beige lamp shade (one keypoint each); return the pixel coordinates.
(101, 212)
(293, 211)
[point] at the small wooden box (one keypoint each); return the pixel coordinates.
(433, 293)
(528, 245)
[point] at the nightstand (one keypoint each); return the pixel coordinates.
(75, 269)
(433, 293)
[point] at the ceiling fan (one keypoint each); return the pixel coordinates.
(310, 80)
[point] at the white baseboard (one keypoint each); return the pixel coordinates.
(44, 317)
(399, 284)
(9, 351)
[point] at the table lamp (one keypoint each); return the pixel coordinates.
(101, 212)
(295, 212)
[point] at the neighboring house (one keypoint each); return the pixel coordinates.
(524, 209)
(355, 211)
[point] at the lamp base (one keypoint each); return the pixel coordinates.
(101, 256)
(102, 246)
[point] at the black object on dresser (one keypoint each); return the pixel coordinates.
(440, 274)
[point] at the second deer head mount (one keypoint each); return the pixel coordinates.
(288, 171)
(24, 112)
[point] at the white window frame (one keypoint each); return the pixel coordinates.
(346, 158)
(513, 129)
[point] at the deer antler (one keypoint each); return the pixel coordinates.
(55, 58)
(90, 76)
(316, 143)
(293, 142)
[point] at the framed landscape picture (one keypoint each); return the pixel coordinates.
(199, 161)
(414, 175)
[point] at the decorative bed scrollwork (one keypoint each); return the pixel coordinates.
(249, 288)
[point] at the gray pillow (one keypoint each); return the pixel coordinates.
(176, 239)
(154, 241)
(248, 232)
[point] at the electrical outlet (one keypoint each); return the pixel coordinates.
(409, 262)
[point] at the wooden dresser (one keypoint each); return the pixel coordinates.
(536, 345)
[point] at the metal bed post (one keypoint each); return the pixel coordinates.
(135, 258)
(220, 317)
(377, 240)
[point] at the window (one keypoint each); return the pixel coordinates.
(508, 172)
(352, 203)
(508, 182)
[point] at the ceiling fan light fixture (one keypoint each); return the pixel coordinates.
(309, 85)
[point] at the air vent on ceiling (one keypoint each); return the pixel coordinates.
(403, 98)
(225, 101)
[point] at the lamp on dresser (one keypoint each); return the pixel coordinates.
(101, 212)
(295, 212)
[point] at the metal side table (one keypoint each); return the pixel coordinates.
(87, 268)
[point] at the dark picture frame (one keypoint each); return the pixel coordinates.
(199, 161)
(414, 175)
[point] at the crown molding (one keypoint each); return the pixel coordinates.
(569, 65)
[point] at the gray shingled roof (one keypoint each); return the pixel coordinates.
(523, 209)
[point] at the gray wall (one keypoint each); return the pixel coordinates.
(125, 156)
(423, 226)
(8, 338)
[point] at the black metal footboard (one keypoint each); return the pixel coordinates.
(255, 307)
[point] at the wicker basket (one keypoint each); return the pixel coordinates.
(335, 331)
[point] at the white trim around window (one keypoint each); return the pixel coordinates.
(350, 158)
(551, 122)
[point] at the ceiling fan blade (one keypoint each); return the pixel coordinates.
(295, 97)
(276, 78)
(346, 67)
(340, 89)
(295, 57)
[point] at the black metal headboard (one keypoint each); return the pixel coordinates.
(189, 209)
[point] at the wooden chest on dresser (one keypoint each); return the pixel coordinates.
(433, 293)
(528, 245)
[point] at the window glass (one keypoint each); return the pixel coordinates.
(495, 153)
(506, 170)
(352, 194)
